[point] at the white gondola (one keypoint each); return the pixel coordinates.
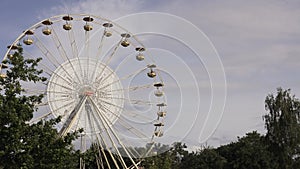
(28, 41)
(140, 57)
(88, 27)
(2, 75)
(161, 114)
(151, 74)
(4, 66)
(107, 33)
(10, 56)
(158, 133)
(13, 47)
(125, 43)
(67, 26)
(161, 104)
(158, 93)
(159, 124)
(47, 31)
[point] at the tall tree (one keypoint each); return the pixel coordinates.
(283, 127)
(23, 145)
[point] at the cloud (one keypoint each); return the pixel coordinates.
(258, 42)
(110, 9)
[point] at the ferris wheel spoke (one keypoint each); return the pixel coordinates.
(74, 47)
(118, 80)
(82, 149)
(150, 148)
(56, 100)
(87, 55)
(40, 118)
(113, 52)
(90, 117)
(117, 106)
(43, 67)
(132, 150)
(61, 85)
(42, 47)
(133, 166)
(70, 120)
(98, 156)
(63, 106)
(46, 69)
(132, 88)
(131, 101)
(103, 142)
(133, 114)
(34, 91)
(51, 73)
(159, 75)
(59, 46)
(111, 155)
(109, 103)
(63, 54)
(46, 52)
(108, 131)
(125, 124)
(109, 59)
(104, 118)
(140, 102)
(60, 92)
(138, 115)
(99, 51)
(80, 114)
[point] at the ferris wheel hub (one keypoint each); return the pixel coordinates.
(70, 82)
(86, 91)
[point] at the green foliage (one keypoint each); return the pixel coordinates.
(96, 156)
(206, 158)
(161, 159)
(283, 127)
(178, 152)
(23, 145)
(249, 152)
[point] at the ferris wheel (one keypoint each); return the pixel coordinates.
(100, 78)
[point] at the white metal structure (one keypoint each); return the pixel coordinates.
(100, 79)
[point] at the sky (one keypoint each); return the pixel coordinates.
(256, 46)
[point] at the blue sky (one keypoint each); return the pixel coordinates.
(257, 41)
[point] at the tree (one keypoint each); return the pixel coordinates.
(205, 158)
(23, 145)
(161, 158)
(283, 127)
(249, 152)
(178, 152)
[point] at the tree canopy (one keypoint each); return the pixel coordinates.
(283, 127)
(23, 145)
